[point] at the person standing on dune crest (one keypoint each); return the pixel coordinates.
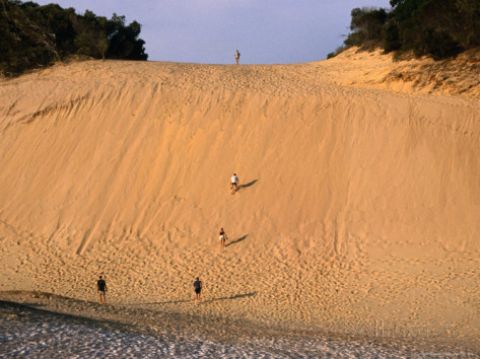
(237, 57)
(197, 285)
(102, 288)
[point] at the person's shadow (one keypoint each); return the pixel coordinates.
(242, 238)
(232, 297)
(170, 301)
(248, 184)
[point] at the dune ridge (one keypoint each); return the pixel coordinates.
(459, 76)
(362, 210)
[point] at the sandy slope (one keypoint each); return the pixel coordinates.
(372, 69)
(361, 215)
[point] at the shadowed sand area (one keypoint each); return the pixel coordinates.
(360, 206)
(49, 326)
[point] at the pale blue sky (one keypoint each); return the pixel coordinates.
(208, 31)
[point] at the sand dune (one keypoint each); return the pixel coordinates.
(361, 213)
(459, 76)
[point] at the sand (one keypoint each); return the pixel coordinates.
(360, 212)
(372, 69)
(33, 330)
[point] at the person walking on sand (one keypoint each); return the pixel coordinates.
(102, 288)
(197, 285)
(222, 237)
(237, 57)
(234, 183)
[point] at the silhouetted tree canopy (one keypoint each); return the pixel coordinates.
(32, 35)
(440, 28)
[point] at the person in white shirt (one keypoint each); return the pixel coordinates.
(234, 183)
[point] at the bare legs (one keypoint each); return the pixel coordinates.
(103, 299)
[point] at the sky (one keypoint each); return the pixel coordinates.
(209, 31)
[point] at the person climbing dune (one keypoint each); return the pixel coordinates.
(223, 237)
(234, 183)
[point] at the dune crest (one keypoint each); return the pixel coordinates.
(459, 76)
(360, 211)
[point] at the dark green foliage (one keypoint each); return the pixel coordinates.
(336, 52)
(91, 39)
(391, 36)
(120, 38)
(33, 36)
(22, 44)
(367, 26)
(440, 44)
(440, 28)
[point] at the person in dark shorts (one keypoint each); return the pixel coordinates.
(102, 288)
(197, 285)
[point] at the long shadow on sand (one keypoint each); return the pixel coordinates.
(171, 301)
(236, 296)
(248, 184)
(242, 238)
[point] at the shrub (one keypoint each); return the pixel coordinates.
(440, 28)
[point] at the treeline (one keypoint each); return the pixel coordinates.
(32, 36)
(440, 28)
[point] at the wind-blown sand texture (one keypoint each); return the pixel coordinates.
(360, 210)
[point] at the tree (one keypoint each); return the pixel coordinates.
(440, 28)
(123, 40)
(367, 26)
(33, 36)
